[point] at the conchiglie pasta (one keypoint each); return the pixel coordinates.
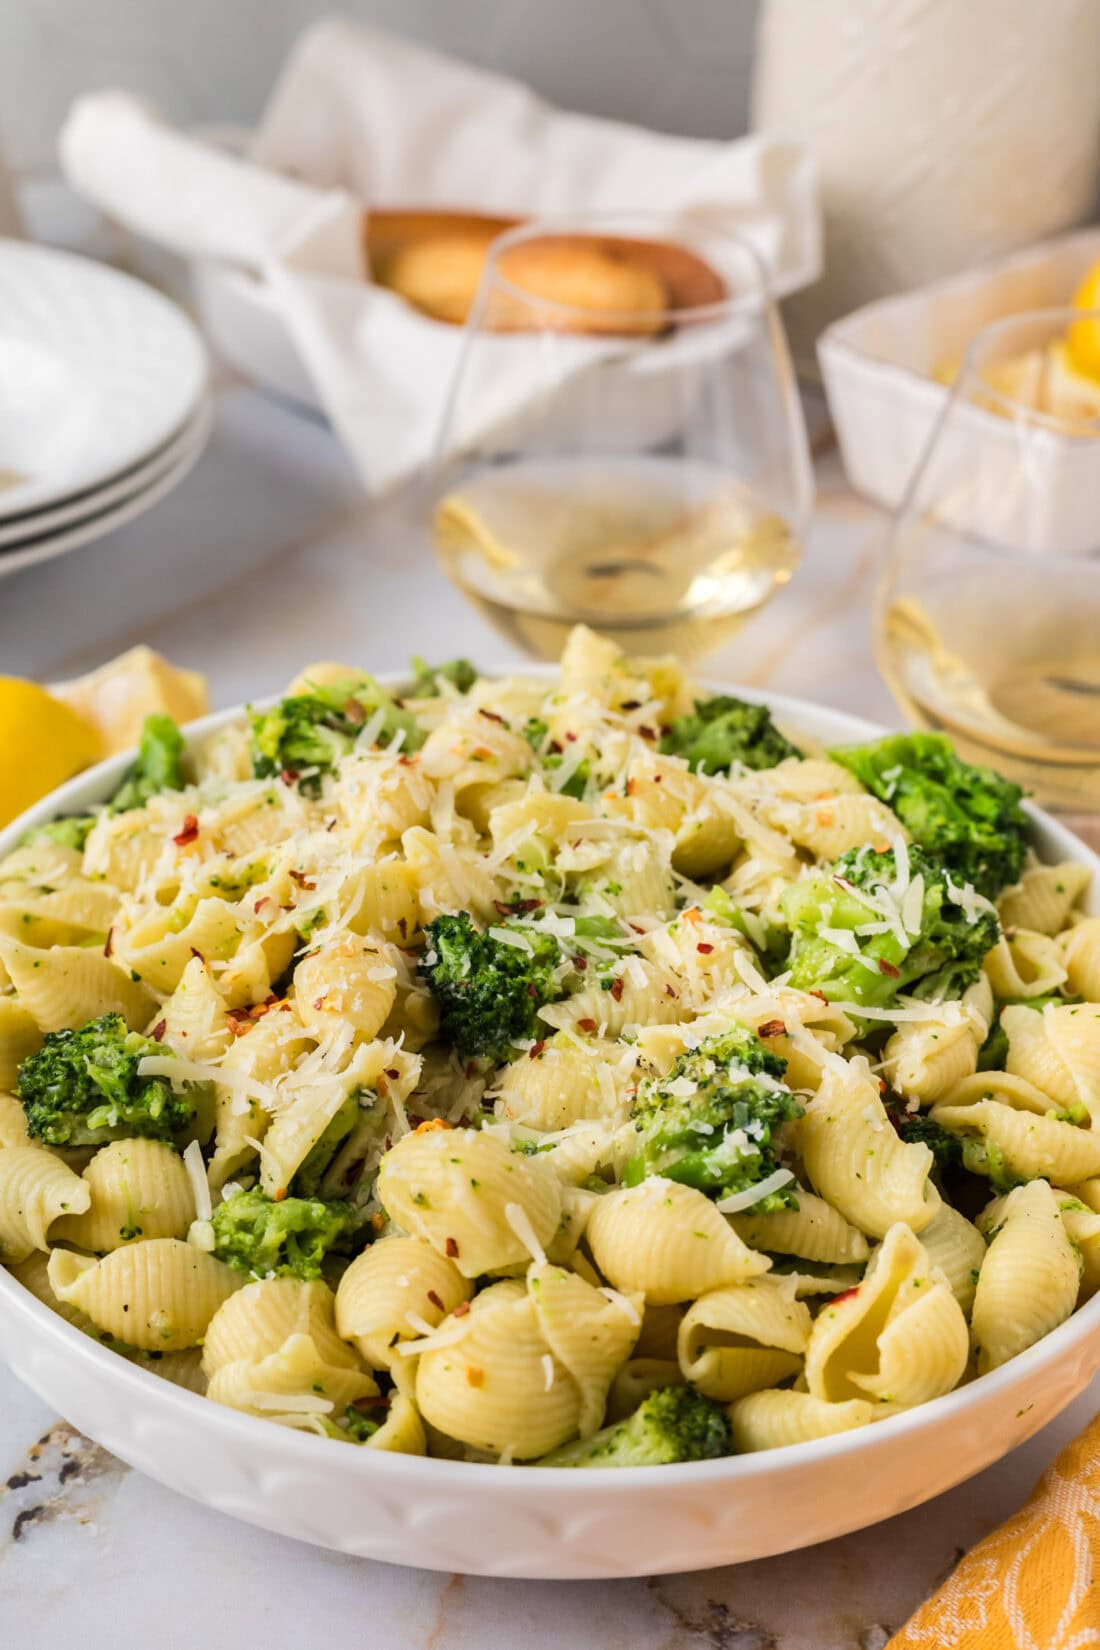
(998, 1122)
(139, 1189)
(261, 1317)
(19, 1036)
(955, 1245)
(813, 1231)
(738, 1340)
(1079, 949)
(1043, 897)
(667, 1242)
(1029, 1278)
(391, 1292)
(349, 979)
(1024, 965)
(562, 1083)
(927, 1058)
(13, 1122)
(774, 1419)
(296, 1370)
(855, 1160)
(36, 1189)
(1058, 1051)
(470, 1197)
(68, 985)
(159, 1295)
(195, 1018)
(899, 1337)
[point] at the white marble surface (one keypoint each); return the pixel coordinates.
(263, 558)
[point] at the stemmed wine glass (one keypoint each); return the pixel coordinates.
(988, 622)
(623, 443)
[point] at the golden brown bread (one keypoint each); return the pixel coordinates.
(603, 284)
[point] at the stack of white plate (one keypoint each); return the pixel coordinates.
(104, 401)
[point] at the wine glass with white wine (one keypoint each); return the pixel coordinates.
(988, 622)
(623, 445)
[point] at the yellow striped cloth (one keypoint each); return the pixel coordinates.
(1033, 1584)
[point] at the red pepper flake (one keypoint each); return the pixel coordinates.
(435, 1300)
(536, 1049)
(240, 1021)
(847, 1295)
(378, 1221)
(631, 787)
(109, 942)
(491, 716)
(571, 738)
(319, 1003)
(646, 732)
(461, 1309)
(354, 713)
(471, 1068)
(481, 753)
(704, 948)
(278, 1194)
(820, 995)
(586, 1025)
(772, 1028)
(636, 927)
(197, 954)
(403, 927)
(450, 1249)
(657, 778)
(289, 776)
(302, 881)
(264, 899)
(885, 967)
(474, 1375)
(371, 1400)
(554, 747)
(157, 1033)
(631, 704)
(188, 831)
(669, 992)
(429, 1126)
(580, 963)
(617, 990)
(404, 761)
(518, 907)
(392, 1071)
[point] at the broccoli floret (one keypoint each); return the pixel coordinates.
(82, 1088)
(946, 1148)
(253, 1233)
(460, 673)
(158, 766)
(675, 1423)
(770, 940)
(968, 816)
(709, 1123)
(322, 1154)
(70, 831)
(488, 992)
(310, 733)
(938, 962)
(724, 730)
(994, 1051)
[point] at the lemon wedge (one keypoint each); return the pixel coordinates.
(1083, 337)
(42, 743)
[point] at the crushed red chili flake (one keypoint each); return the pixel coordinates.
(392, 1071)
(669, 991)
(370, 1400)
(535, 1050)
(587, 1025)
(885, 967)
(471, 1068)
(704, 948)
(636, 927)
(429, 1125)
(403, 927)
(406, 761)
(518, 907)
(772, 1028)
(198, 954)
(279, 1194)
(158, 1030)
(554, 747)
(319, 1003)
(354, 713)
(289, 776)
(617, 990)
(571, 738)
(475, 1376)
(461, 1309)
(631, 704)
(580, 963)
(109, 942)
(820, 995)
(187, 832)
(846, 1295)
(631, 787)
(646, 731)
(302, 881)
(258, 905)
(435, 1300)
(450, 1249)
(491, 716)
(378, 1220)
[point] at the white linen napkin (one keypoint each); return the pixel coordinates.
(360, 117)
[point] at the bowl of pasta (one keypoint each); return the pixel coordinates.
(577, 1124)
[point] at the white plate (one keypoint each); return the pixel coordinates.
(157, 480)
(97, 371)
(36, 524)
(537, 1521)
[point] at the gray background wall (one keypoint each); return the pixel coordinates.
(678, 65)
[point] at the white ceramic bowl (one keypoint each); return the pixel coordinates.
(536, 1521)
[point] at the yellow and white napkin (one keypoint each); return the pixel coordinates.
(359, 117)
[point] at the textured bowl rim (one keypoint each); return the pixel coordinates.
(1019, 1373)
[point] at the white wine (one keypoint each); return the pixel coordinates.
(1013, 676)
(664, 554)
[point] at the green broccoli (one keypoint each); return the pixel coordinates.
(723, 731)
(969, 816)
(770, 940)
(488, 992)
(853, 896)
(460, 673)
(70, 831)
(253, 1233)
(83, 1088)
(158, 766)
(309, 733)
(709, 1123)
(675, 1423)
(917, 1130)
(994, 1051)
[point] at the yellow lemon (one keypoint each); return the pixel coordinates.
(1083, 337)
(42, 743)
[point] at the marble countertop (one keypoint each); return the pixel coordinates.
(265, 557)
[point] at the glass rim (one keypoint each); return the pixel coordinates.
(591, 224)
(970, 367)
